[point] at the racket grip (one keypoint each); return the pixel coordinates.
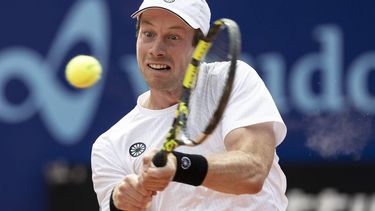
(160, 158)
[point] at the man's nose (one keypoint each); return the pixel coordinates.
(158, 48)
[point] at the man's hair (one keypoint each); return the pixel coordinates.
(198, 34)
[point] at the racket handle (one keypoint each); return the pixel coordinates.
(160, 158)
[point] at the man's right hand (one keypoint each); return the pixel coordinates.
(130, 194)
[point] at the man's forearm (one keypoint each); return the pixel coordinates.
(235, 172)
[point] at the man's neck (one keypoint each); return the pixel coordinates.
(161, 99)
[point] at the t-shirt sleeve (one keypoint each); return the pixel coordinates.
(251, 103)
(107, 170)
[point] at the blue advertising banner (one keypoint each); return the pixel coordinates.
(316, 57)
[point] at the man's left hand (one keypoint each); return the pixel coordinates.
(157, 178)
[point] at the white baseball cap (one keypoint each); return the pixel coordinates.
(195, 13)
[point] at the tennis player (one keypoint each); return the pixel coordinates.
(235, 169)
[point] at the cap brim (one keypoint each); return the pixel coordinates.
(139, 12)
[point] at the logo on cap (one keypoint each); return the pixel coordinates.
(169, 1)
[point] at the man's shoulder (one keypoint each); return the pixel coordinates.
(120, 126)
(216, 72)
(218, 67)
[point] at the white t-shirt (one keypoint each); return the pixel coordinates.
(119, 151)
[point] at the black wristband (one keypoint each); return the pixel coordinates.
(191, 169)
(112, 206)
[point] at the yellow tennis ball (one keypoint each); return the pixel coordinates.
(83, 71)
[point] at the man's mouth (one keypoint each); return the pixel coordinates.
(159, 67)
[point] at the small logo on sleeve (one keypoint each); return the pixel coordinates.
(137, 149)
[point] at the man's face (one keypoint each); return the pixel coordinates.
(164, 49)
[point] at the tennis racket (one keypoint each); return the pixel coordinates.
(222, 44)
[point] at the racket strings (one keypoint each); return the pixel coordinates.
(219, 51)
(210, 85)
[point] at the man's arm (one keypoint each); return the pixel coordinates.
(240, 170)
(246, 164)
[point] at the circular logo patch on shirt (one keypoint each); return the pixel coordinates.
(185, 163)
(169, 1)
(137, 149)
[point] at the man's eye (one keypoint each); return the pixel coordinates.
(148, 34)
(173, 37)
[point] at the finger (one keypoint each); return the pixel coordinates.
(162, 173)
(141, 188)
(148, 179)
(146, 160)
(155, 177)
(155, 184)
(131, 207)
(133, 200)
(157, 187)
(134, 188)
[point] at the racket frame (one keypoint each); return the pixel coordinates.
(177, 134)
